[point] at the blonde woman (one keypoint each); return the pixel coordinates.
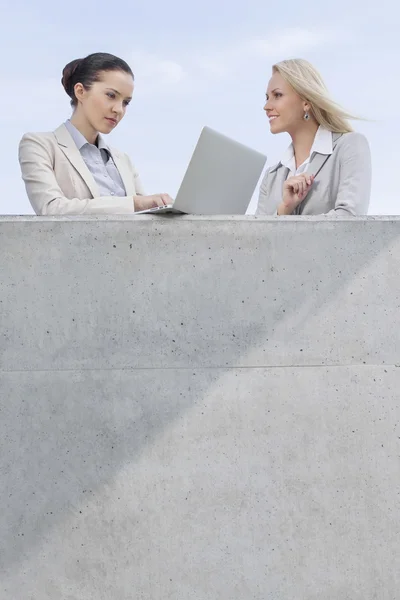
(327, 167)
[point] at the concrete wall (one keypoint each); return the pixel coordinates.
(198, 408)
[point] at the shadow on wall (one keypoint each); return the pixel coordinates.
(113, 330)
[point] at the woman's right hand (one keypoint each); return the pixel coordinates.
(295, 189)
(146, 202)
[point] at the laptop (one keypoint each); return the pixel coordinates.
(220, 179)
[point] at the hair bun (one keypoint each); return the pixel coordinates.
(68, 73)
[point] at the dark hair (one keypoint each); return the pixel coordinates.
(86, 71)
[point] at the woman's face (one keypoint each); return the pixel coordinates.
(105, 103)
(284, 108)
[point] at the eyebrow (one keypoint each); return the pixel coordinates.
(275, 90)
(119, 93)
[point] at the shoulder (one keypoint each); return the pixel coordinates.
(38, 147)
(122, 156)
(270, 171)
(350, 140)
(39, 135)
(45, 139)
(353, 147)
(119, 154)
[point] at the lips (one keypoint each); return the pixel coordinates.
(272, 118)
(113, 121)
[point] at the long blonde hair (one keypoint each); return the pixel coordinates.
(309, 85)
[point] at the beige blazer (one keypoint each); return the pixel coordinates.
(58, 182)
(342, 183)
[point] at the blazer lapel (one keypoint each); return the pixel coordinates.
(70, 150)
(319, 160)
(316, 165)
(124, 170)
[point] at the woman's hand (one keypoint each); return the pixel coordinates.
(295, 189)
(146, 202)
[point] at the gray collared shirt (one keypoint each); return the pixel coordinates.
(100, 163)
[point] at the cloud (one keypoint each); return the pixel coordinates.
(153, 71)
(31, 97)
(166, 75)
(156, 72)
(277, 46)
(287, 43)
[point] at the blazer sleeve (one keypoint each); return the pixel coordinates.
(138, 182)
(262, 197)
(266, 206)
(354, 190)
(44, 192)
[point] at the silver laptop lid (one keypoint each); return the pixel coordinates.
(221, 176)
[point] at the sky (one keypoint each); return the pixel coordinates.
(199, 64)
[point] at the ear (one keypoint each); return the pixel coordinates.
(79, 91)
(306, 106)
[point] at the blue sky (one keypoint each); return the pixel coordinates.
(200, 64)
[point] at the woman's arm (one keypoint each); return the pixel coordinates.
(264, 205)
(44, 192)
(138, 182)
(355, 176)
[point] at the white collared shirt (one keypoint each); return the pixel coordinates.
(322, 145)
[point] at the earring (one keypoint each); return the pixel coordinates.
(306, 116)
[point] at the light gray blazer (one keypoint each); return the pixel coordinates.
(342, 184)
(58, 182)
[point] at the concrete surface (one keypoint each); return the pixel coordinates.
(195, 408)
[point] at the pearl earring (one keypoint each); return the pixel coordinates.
(306, 116)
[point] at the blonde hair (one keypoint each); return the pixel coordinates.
(309, 85)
